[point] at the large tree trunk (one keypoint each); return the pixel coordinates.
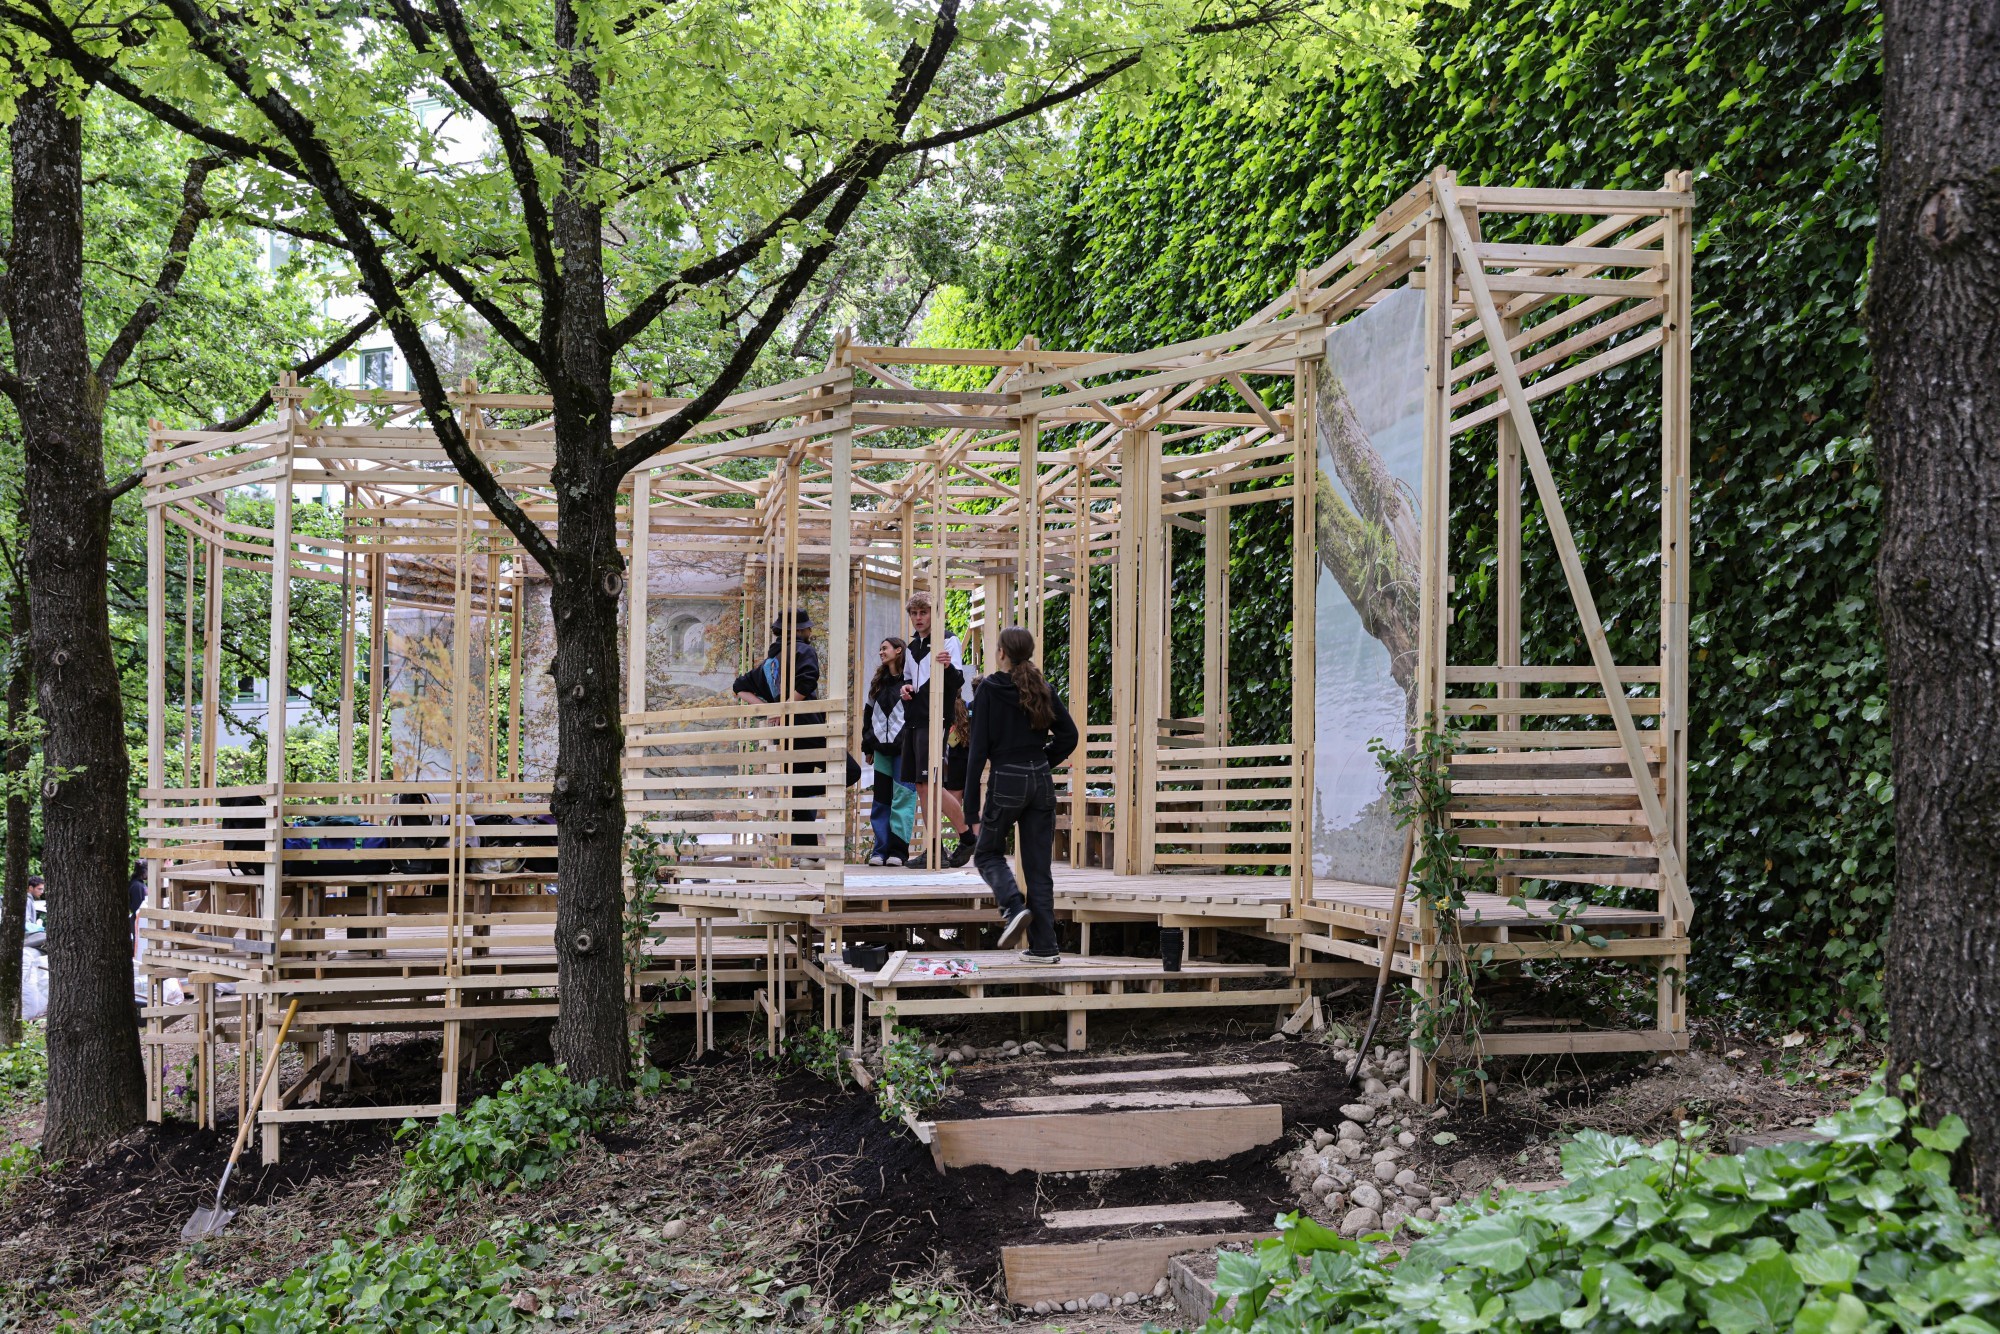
(589, 801)
(96, 1084)
(14, 880)
(1934, 322)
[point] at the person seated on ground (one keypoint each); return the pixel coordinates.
(1023, 731)
(919, 748)
(761, 685)
(892, 811)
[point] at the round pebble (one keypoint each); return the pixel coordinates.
(1350, 1132)
(1033, 1048)
(675, 1230)
(1321, 1139)
(1099, 1301)
(1392, 1221)
(1441, 1201)
(1359, 1221)
(1072, 1305)
(1129, 1298)
(1406, 1178)
(1387, 1155)
(1160, 1288)
(1043, 1308)
(1407, 1140)
(1428, 1214)
(1358, 1111)
(1366, 1196)
(1385, 1172)
(1324, 1186)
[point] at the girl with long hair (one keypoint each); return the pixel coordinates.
(1023, 731)
(892, 810)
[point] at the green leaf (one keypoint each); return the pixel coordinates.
(1544, 1297)
(1843, 1314)
(1766, 1297)
(1237, 1274)
(1946, 1137)
(1493, 1243)
(1625, 1294)
(1819, 1266)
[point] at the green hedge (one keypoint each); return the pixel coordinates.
(1182, 221)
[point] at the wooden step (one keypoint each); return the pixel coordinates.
(1174, 1073)
(1144, 1215)
(1087, 1142)
(1060, 1272)
(1110, 1101)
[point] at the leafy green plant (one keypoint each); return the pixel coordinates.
(1419, 792)
(24, 1068)
(19, 1160)
(368, 1288)
(917, 1310)
(516, 1137)
(911, 1082)
(1860, 1232)
(817, 1049)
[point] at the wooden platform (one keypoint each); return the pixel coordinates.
(1074, 988)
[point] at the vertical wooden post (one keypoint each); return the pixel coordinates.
(1507, 583)
(1305, 619)
(211, 658)
(378, 597)
(1438, 290)
(279, 689)
(187, 659)
(1079, 666)
(1676, 465)
(638, 591)
(344, 733)
(1031, 577)
(940, 627)
(1125, 721)
(1215, 618)
(840, 647)
(156, 764)
(1147, 590)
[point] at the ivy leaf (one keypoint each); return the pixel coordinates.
(1494, 1244)
(1766, 1297)
(1945, 1138)
(1827, 1264)
(1237, 1274)
(1545, 1297)
(1626, 1295)
(1707, 1220)
(1845, 1314)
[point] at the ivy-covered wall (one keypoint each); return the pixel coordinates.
(1181, 222)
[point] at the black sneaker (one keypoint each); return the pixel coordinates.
(1011, 931)
(961, 854)
(916, 863)
(1029, 956)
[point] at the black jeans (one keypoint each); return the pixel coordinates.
(1022, 795)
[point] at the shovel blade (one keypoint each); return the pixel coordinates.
(206, 1223)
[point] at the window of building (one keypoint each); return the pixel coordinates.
(376, 369)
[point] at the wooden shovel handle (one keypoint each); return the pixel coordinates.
(263, 1082)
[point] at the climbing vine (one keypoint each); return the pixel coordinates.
(1183, 221)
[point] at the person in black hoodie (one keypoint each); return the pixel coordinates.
(760, 685)
(1023, 730)
(920, 751)
(882, 723)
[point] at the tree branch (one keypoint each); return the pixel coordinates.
(915, 85)
(194, 210)
(351, 213)
(1047, 101)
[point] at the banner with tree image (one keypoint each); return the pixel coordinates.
(1367, 522)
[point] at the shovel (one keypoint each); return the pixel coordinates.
(208, 1222)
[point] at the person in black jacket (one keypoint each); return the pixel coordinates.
(760, 685)
(882, 723)
(1023, 730)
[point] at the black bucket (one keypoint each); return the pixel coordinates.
(1172, 940)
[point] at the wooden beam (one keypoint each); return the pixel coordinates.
(1072, 1142)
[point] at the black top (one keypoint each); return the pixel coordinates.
(1001, 733)
(917, 713)
(759, 680)
(889, 698)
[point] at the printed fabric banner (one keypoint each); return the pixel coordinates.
(1367, 523)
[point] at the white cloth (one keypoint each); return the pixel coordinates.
(917, 670)
(34, 983)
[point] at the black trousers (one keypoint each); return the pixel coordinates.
(1021, 796)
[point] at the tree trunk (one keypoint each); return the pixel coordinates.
(14, 881)
(96, 1084)
(1934, 322)
(589, 801)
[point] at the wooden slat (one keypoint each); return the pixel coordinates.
(1059, 1273)
(1088, 1143)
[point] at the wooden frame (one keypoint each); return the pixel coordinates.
(1062, 466)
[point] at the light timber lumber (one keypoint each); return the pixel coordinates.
(1144, 1215)
(1083, 1142)
(1079, 1102)
(1059, 1273)
(1182, 1072)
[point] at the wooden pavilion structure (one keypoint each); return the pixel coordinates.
(428, 901)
